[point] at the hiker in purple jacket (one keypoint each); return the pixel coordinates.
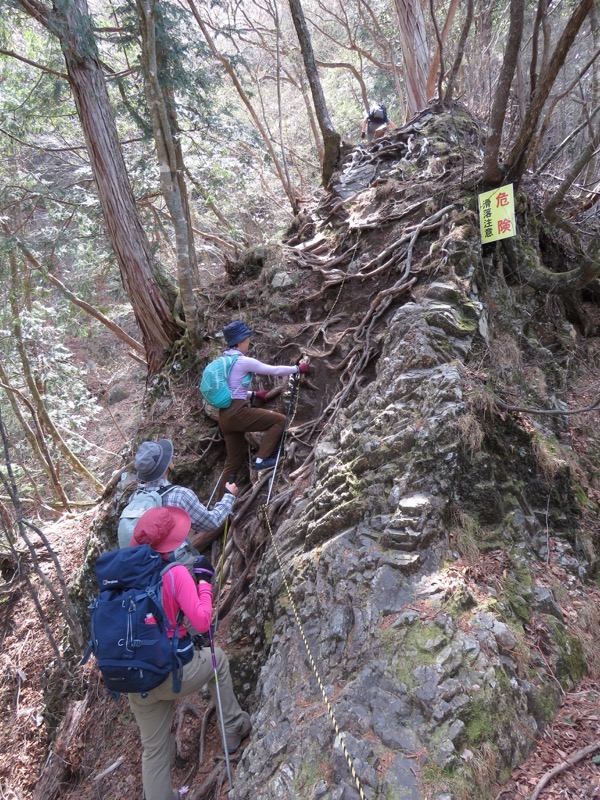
(240, 417)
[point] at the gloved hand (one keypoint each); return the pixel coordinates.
(261, 395)
(232, 488)
(363, 135)
(303, 367)
(203, 569)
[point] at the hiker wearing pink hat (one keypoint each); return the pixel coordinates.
(165, 529)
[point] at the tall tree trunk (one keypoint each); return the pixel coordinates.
(435, 62)
(493, 174)
(311, 116)
(170, 164)
(460, 52)
(146, 286)
(519, 153)
(540, 16)
(590, 174)
(413, 40)
(331, 139)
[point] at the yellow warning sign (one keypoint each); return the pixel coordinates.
(497, 214)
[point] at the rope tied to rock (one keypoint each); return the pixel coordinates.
(336, 727)
(291, 413)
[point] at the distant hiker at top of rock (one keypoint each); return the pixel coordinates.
(376, 124)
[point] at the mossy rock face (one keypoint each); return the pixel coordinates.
(518, 598)
(571, 665)
(506, 469)
(490, 502)
(542, 702)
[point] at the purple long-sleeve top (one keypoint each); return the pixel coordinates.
(244, 366)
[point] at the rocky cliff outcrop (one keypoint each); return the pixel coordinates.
(426, 556)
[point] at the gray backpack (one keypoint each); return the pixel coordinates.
(140, 501)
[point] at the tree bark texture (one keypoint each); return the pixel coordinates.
(519, 153)
(493, 174)
(460, 52)
(170, 165)
(540, 16)
(529, 270)
(331, 139)
(413, 40)
(594, 88)
(70, 22)
(435, 62)
(57, 764)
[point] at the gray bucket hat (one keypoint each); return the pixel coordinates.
(152, 459)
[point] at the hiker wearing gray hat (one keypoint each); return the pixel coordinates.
(154, 461)
(240, 417)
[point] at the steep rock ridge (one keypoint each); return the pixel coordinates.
(434, 683)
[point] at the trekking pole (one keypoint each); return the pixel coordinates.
(225, 531)
(288, 419)
(210, 499)
(218, 693)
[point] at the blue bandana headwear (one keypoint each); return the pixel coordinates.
(236, 332)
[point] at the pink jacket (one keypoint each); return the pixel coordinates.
(180, 592)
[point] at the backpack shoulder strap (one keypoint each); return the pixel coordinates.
(180, 614)
(164, 490)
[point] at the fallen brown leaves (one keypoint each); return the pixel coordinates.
(576, 726)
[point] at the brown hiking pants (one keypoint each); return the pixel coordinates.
(239, 419)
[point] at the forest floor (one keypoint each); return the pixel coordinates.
(106, 764)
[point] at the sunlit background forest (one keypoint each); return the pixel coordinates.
(216, 126)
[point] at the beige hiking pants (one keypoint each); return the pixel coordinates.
(154, 715)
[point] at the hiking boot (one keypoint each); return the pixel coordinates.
(266, 463)
(242, 729)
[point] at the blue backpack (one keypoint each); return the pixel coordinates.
(128, 627)
(214, 385)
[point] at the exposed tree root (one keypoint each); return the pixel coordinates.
(568, 762)
(557, 412)
(205, 719)
(186, 706)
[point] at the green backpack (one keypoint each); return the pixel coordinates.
(214, 387)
